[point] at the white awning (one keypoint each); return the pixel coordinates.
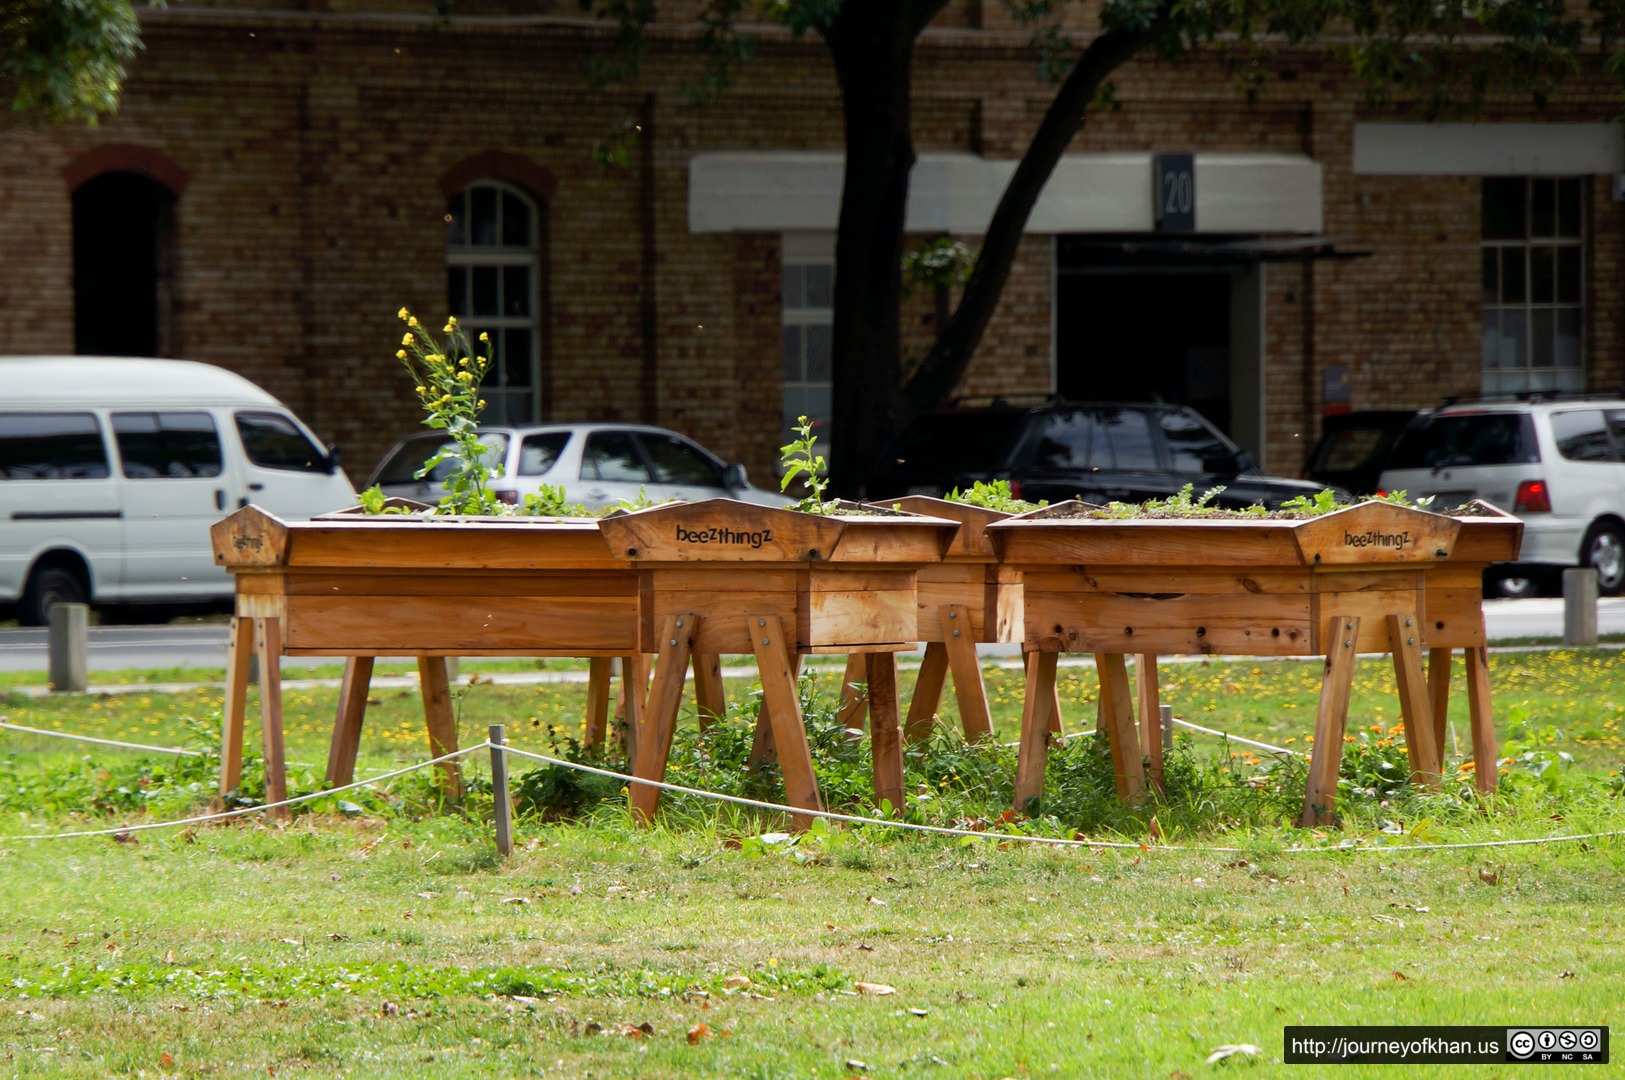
(1488, 149)
(800, 191)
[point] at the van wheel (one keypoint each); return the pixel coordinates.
(50, 585)
(1604, 551)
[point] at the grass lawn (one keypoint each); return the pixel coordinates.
(376, 940)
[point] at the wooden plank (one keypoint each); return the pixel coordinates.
(854, 692)
(598, 671)
(346, 741)
(1376, 532)
(1416, 709)
(1263, 626)
(762, 749)
(720, 530)
(779, 697)
(1033, 754)
(968, 596)
(465, 544)
(1147, 699)
(1439, 693)
(1484, 540)
(234, 709)
(721, 631)
(441, 721)
(969, 689)
(268, 646)
(861, 617)
(971, 542)
(885, 735)
(1486, 776)
(1154, 582)
(249, 537)
(922, 708)
(1117, 707)
(659, 718)
(1003, 607)
(1331, 718)
(419, 625)
(845, 579)
(634, 690)
(1144, 543)
(1451, 616)
(1371, 608)
(710, 700)
(391, 582)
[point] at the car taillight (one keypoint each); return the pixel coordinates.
(1381, 493)
(509, 497)
(1015, 489)
(1533, 495)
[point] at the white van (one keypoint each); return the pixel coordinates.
(112, 470)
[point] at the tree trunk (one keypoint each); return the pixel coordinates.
(872, 46)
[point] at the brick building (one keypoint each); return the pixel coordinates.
(282, 178)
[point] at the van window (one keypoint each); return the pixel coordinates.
(678, 462)
(167, 444)
(1468, 439)
(537, 453)
(1581, 435)
(1128, 432)
(272, 441)
(1193, 447)
(610, 455)
(51, 446)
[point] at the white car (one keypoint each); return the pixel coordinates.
(598, 465)
(1559, 464)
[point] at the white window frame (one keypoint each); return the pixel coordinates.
(500, 256)
(1501, 377)
(801, 250)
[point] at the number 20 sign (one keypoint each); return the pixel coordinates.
(1174, 194)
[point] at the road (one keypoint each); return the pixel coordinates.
(120, 648)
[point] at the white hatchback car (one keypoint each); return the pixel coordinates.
(1559, 464)
(598, 465)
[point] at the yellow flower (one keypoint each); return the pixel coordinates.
(403, 314)
(481, 404)
(451, 323)
(463, 362)
(422, 390)
(400, 354)
(484, 336)
(412, 322)
(406, 339)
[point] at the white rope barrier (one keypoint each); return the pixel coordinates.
(9, 726)
(226, 815)
(1238, 739)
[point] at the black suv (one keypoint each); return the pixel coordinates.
(1097, 451)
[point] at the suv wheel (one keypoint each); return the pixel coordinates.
(48, 587)
(1604, 551)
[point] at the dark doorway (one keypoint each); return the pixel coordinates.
(122, 266)
(1122, 334)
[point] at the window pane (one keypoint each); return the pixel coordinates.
(516, 358)
(793, 292)
(1503, 211)
(1540, 338)
(610, 455)
(1491, 347)
(676, 461)
(1581, 435)
(457, 220)
(1063, 441)
(485, 290)
(1129, 433)
(820, 280)
(482, 216)
(1568, 208)
(457, 290)
(818, 341)
(52, 446)
(790, 354)
(515, 221)
(1514, 338)
(537, 453)
(1195, 448)
(1512, 276)
(167, 445)
(1492, 275)
(1568, 274)
(1543, 208)
(1567, 346)
(516, 291)
(274, 442)
(1542, 274)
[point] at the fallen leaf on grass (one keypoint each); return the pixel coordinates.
(166, 1059)
(636, 1031)
(878, 903)
(1489, 877)
(1230, 1051)
(866, 948)
(876, 989)
(125, 838)
(1400, 976)
(736, 980)
(698, 1033)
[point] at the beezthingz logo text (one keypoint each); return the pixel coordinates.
(1376, 538)
(717, 535)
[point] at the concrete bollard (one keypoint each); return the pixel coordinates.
(1580, 606)
(68, 641)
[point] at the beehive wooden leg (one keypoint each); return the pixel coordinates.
(634, 692)
(434, 680)
(762, 750)
(346, 743)
(885, 734)
(1320, 800)
(784, 707)
(854, 695)
(659, 716)
(1033, 755)
(597, 702)
(969, 689)
(1482, 717)
(1439, 694)
(1147, 697)
(234, 710)
(1117, 708)
(268, 645)
(922, 707)
(710, 700)
(1415, 707)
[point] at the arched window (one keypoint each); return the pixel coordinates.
(493, 244)
(123, 266)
